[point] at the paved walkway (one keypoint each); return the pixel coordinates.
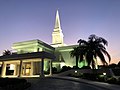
(102, 85)
(59, 84)
(68, 83)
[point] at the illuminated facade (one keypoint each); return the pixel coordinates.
(35, 58)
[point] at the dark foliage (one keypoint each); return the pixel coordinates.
(75, 67)
(93, 48)
(7, 52)
(113, 65)
(86, 67)
(54, 70)
(89, 51)
(65, 68)
(90, 76)
(111, 80)
(118, 64)
(14, 84)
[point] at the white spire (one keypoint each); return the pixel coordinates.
(57, 22)
(57, 35)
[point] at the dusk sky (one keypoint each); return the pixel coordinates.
(22, 20)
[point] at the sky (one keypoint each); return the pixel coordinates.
(22, 20)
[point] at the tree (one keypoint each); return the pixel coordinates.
(75, 53)
(7, 52)
(78, 52)
(93, 48)
(113, 65)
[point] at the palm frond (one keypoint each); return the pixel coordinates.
(102, 58)
(103, 41)
(106, 53)
(82, 42)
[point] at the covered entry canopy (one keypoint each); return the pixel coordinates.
(42, 54)
(28, 64)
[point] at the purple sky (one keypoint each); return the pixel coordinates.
(22, 20)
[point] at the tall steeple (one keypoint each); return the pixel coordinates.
(57, 35)
(57, 22)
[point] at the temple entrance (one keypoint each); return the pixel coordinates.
(26, 68)
(10, 69)
(34, 67)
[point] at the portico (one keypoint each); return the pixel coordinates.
(26, 65)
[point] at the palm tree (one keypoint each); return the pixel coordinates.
(93, 48)
(78, 52)
(7, 52)
(75, 53)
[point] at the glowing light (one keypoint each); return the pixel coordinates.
(62, 64)
(104, 73)
(76, 71)
(27, 71)
(12, 66)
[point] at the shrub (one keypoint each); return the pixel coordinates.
(74, 67)
(86, 67)
(65, 68)
(118, 81)
(101, 78)
(89, 76)
(54, 70)
(111, 80)
(14, 84)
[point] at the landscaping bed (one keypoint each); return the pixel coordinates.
(97, 77)
(14, 84)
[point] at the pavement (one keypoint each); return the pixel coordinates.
(59, 84)
(68, 83)
(102, 85)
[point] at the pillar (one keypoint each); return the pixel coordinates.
(50, 67)
(3, 69)
(20, 69)
(15, 69)
(24, 69)
(32, 66)
(42, 68)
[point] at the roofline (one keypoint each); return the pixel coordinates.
(42, 54)
(37, 40)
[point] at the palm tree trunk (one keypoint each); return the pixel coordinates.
(76, 61)
(96, 64)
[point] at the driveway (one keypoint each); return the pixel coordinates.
(59, 84)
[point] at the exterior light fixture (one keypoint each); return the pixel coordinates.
(76, 71)
(104, 74)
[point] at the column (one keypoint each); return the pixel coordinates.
(32, 66)
(50, 67)
(42, 68)
(20, 69)
(37, 67)
(3, 69)
(24, 69)
(15, 69)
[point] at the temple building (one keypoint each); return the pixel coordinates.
(35, 58)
